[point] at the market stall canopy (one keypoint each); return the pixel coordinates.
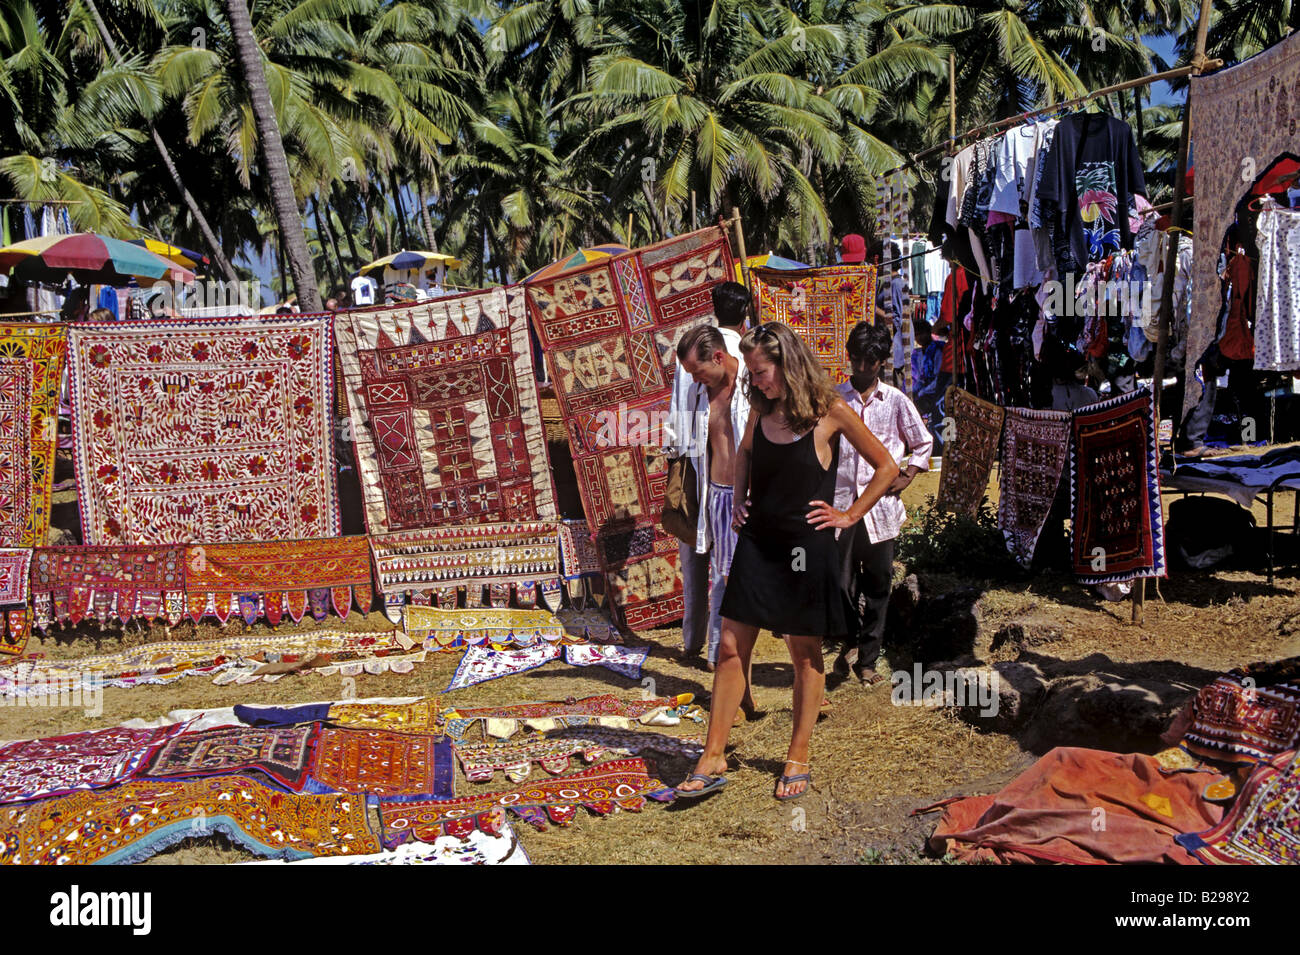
(575, 260)
(186, 257)
(88, 258)
(405, 261)
(769, 261)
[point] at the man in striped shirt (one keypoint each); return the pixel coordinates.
(867, 548)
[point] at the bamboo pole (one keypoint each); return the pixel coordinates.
(952, 97)
(744, 256)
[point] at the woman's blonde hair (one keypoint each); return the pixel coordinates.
(809, 394)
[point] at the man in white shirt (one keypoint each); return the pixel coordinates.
(867, 548)
(690, 432)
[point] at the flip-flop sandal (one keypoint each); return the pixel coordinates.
(711, 785)
(787, 780)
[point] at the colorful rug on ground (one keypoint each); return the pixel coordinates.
(480, 664)
(552, 752)
(1116, 525)
(420, 717)
(475, 848)
(281, 754)
(71, 584)
(968, 457)
(139, 819)
(1049, 813)
(380, 763)
(1035, 449)
(440, 566)
(607, 710)
(35, 769)
(204, 431)
(436, 629)
(31, 370)
(15, 588)
(820, 305)
(1263, 826)
(1247, 715)
(604, 789)
(610, 331)
(625, 661)
(275, 579)
(445, 413)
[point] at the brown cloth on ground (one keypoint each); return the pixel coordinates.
(1081, 806)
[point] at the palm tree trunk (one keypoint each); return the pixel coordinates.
(429, 238)
(401, 212)
(324, 252)
(274, 160)
(334, 239)
(209, 237)
(347, 234)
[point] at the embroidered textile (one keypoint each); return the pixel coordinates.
(1247, 714)
(580, 560)
(502, 722)
(423, 564)
(70, 584)
(139, 819)
(591, 624)
(480, 664)
(382, 763)
(15, 619)
(1252, 109)
(282, 754)
(422, 716)
(475, 848)
(820, 305)
(1263, 826)
(1035, 448)
(323, 653)
(610, 331)
(1117, 526)
(278, 576)
(204, 431)
(34, 769)
(968, 457)
(481, 761)
(625, 661)
(607, 788)
(436, 629)
(446, 413)
(31, 369)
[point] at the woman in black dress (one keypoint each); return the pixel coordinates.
(785, 573)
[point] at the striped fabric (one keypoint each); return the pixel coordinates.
(724, 538)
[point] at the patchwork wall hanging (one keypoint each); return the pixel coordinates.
(274, 579)
(281, 754)
(204, 431)
(31, 370)
(820, 305)
(437, 567)
(1263, 826)
(437, 629)
(71, 584)
(384, 764)
(604, 789)
(445, 413)
(15, 617)
(583, 578)
(420, 716)
(968, 457)
(1035, 449)
(481, 761)
(1117, 528)
(35, 769)
(325, 653)
(138, 819)
(609, 331)
(1246, 715)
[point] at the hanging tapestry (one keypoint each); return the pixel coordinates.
(1116, 522)
(1248, 714)
(1035, 447)
(604, 789)
(1263, 826)
(1245, 117)
(421, 717)
(71, 584)
(35, 769)
(968, 456)
(583, 577)
(481, 761)
(436, 629)
(204, 431)
(324, 653)
(446, 415)
(31, 370)
(475, 848)
(450, 562)
(275, 578)
(15, 618)
(610, 333)
(138, 819)
(480, 664)
(625, 661)
(588, 625)
(821, 306)
(383, 764)
(281, 754)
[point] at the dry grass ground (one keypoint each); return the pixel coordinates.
(872, 762)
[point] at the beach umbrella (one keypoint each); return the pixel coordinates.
(769, 261)
(575, 260)
(185, 257)
(88, 258)
(405, 261)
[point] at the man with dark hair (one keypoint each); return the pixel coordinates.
(867, 548)
(731, 305)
